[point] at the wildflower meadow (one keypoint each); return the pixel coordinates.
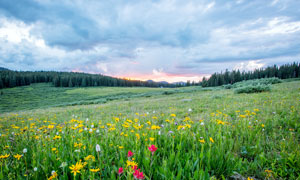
(213, 134)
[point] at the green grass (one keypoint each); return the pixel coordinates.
(43, 95)
(255, 135)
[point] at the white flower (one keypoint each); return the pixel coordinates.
(202, 123)
(91, 130)
(190, 110)
(76, 125)
(35, 169)
(52, 172)
(85, 129)
(92, 126)
(249, 123)
(147, 112)
(24, 150)
(0, 134)
(98, 148)
(97, 131)
(87, 119)
(158, 132)
(57, 133)
(153, 111)
(63, 164)
(77, 150)
(63, 132)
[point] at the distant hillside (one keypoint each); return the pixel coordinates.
(4, 69)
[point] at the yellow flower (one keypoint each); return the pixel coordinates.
(242, 116)
(79, 145)
(137, 136)
(188, 126)
(131, 163)
(53, 176)
(4, 156)
(76, 168)
(154, 127)
(56, 137)
(50, 126)
(249, 178)
(94, 170)
(173, 115)
(89, 157)
(54, 149)
(220, 122)
(128, 120)
(262, 125)
(202, 141)
(17, 156)
(151, 139)
(211, 140)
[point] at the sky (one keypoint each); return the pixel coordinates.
(171, 40)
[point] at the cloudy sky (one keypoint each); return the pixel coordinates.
(169, 40)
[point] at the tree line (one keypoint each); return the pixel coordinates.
(230, 77)
(9, 79)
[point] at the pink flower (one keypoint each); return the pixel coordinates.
(152, 148)
(138, 175)
(130, 154)
(120, 171)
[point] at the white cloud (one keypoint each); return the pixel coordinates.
(158, 72)
(102, 66)
(17, 31)
(249, 65)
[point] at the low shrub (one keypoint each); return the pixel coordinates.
(255, 82)
(168, 92)
(253, 89)
(228, 86)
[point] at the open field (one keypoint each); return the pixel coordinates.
(199, 133)
(44, 95)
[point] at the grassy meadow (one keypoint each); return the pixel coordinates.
(199, 133)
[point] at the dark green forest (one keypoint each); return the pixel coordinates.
(9, 79)
(230, 77)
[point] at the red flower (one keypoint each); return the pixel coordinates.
(138, 175)
(152, 148)
(120, 171)
(130, 154)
